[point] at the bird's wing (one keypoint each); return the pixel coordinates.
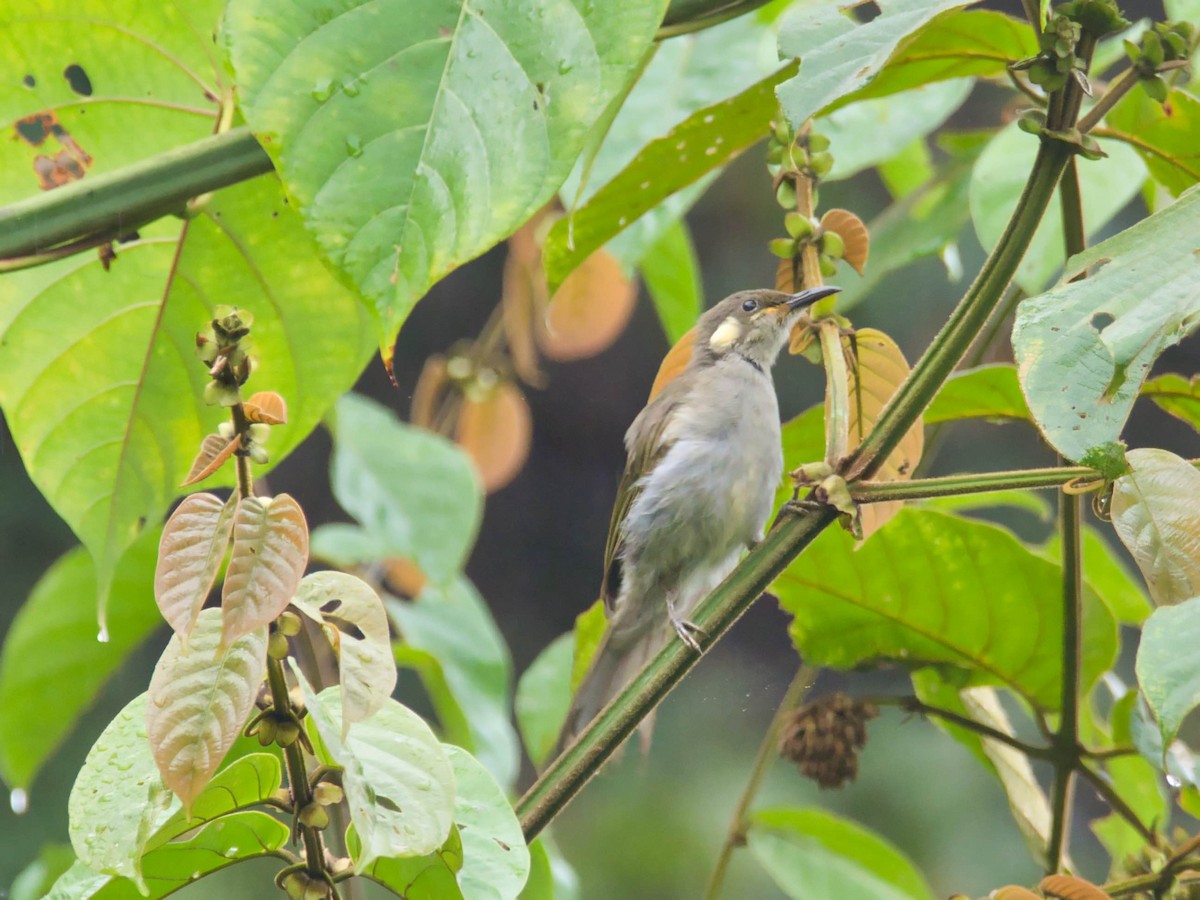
(646, 448)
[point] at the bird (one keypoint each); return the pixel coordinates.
(704, 460)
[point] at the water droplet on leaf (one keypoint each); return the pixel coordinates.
(18, 801)
(322, 90)
(354, 145)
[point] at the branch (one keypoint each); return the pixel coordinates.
(914, 705)
(118, 203)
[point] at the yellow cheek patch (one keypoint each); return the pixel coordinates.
(727, 332)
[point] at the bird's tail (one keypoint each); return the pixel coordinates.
(619, 658)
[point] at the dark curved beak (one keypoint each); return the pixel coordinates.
(811, 296)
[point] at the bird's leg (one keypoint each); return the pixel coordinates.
(687, 631)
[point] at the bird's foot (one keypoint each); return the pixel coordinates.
(689, 632)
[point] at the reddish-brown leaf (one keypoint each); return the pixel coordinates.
(1013, 892)
(589, 311)
(214, 450)
(496, 433)
(523, 299)
(267, 407)
(853, 232)
(1067, 887)
(404, 578)
(270, 551)
(190, 553)
(674, 362)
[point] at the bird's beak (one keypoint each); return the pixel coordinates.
(810, 296)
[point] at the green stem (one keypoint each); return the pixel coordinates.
(1116, 90)
(1119, 806)
(767, 751)
(954, 485)
(120, 202)
(1033, 13)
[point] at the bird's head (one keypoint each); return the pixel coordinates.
(754, 324)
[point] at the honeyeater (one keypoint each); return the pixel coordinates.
(704, 461)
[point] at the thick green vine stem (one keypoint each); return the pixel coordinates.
(799, 525)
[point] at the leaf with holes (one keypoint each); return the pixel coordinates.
(935, 588)
(199, 699)
(1155, 515)
(1083, 348)
(448, 125)
(495, 856)
(398, 781)
(987, 392)
(840, 56)
(191, 550)
(357, 626)
(706, 140)
(1165, 135)
(416, 495)
(1167, 668)
(877, 367)
(1176, 395)
(100, 385)
(270, 551)
(813, 853)
(455, 626)
(55, 689)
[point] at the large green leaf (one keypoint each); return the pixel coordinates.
(704, 141)
(455, 626)
(1168, 668)
(398, 780)
(1136, 781)
(839, 56)
(495, 857)
(544, 697)
(1106, 186)
(812, 853)
(1083, 348)
(1155, 515)
(1105, 572)
(685, 74)
(1165, 135)
(429, 877)
(136, 69)
(52, 666)
(672, 275)
(934, 588)
(101, 387)
(988, 392)
(416, 495)
(416, 135)
(868, 132)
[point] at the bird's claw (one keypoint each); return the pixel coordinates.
(688, 632)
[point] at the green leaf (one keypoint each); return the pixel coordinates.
(685, 74)
(1167, 667)
(1136, 781)
(455, 627)
(1033, 502)
(1166, 136)
(1099, 336)
(540, 885)
(495, 857)
(869, 132)
(1106, 186)
(398, 781)
(1154, 514)
(245, 782)
(54, 687)
(987, 392)
(118, 800)
(429, 877)
(100, 385)
(907, 170)
(200, 696)
(145, 71)
(933, 588)
(1176, 395)
(239, 836)
(672, 275)
(590, 626)
(415, 492)
(813, 853)
(1105, 573)
(544, 697)
(955, 44)
(840, 56)
(35, 880)
(415, 136)
(357, 626)
(706, 140)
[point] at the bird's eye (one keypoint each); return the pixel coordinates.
(750, 305)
